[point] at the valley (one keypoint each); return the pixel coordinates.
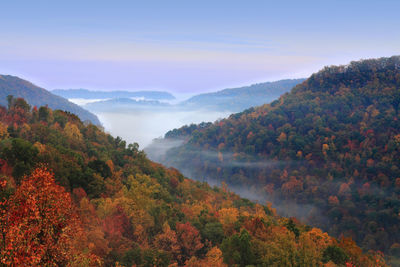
(200, 133)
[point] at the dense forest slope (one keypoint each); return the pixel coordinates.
(72, 195)
(239, 99)
(331, 145)
(36, 96)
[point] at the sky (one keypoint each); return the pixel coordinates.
(188, 47)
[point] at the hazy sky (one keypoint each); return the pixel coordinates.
(188, 46)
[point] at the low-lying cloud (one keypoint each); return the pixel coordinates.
(144, 125)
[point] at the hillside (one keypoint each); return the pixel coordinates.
(239, 99)
(36, 96)
(72, 195)
(331, 146)
(88, 94)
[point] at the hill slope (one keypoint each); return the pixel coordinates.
(238, 99)
(105, 204)
(332, 145)
(36, 96)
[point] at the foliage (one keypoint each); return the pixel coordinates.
(40, 226)
(335, 254)
(237, 249)
(105, 204)
(332, 144)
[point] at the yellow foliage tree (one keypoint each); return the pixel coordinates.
(72, 131)
(3, 131)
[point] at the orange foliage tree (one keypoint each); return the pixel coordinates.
(40, 226)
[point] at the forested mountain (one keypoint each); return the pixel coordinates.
(72, 195)
(36, 96)
(239, 99)
(332, 145)
(87, 94)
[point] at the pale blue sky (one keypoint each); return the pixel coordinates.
(188, 46)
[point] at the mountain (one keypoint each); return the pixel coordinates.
(124, 104)
(239, 99)
(36, 96)
(87, 94)
(72, 195)
(327, 151)
(233, 100)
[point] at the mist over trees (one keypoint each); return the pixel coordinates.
(332, 143)
(72, 195)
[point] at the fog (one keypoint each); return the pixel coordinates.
(84, 101)
(158, 150)
(304, 212)
(254, 191)
(144, 125)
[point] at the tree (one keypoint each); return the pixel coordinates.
(237, 249)
(189, 240)
(41, 227)
(214, 232)
(19, 111)
(335, 254)
(213, 258)
(10, 99)
(290, 225)
(3, 131)
(72, 131)
(168, 241)
(44, 114)
(21, 156)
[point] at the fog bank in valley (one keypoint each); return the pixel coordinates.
(167, 152)
(144, 125)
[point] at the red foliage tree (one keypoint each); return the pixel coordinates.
(39, 225)
(189, 240)
(118, 224)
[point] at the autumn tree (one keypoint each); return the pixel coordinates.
(189, 240)
(168, 241)
(41, 225)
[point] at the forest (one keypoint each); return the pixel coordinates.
(73, 195)
(331, 145)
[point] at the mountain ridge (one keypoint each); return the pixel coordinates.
(239, 98)
(37, 96)
(89, 94)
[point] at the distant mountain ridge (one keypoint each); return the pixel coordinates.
(241, 98)
(37, 96)
(88, 94)
(232, 99)
(123, 104)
